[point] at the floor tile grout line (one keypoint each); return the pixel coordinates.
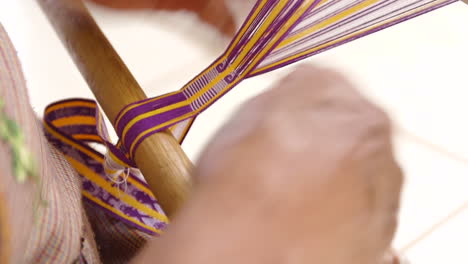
(443, 152)
(443, 222)
(429, 145)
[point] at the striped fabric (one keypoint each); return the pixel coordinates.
(118, 242)
(55, 233)
(70, 125)
(58, 237)
(275, 34)
(70, 228)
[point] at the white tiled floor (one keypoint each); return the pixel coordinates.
(446, 244)
(416, 71)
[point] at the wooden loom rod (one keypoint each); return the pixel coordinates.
(160, 158)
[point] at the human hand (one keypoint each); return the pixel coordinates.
(214, 12)
(303, 173)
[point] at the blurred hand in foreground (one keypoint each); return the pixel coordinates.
(304, 173)
(214, 12)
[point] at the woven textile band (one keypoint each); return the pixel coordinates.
(275, 34)
(70, 126)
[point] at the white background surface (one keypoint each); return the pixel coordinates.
(417, 71)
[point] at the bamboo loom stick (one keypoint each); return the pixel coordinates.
(160, 157)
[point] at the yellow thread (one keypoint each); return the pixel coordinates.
(139, 104)
(99, 123)
(110, 171)
(333, 42)
(74, 120)
(290, 22)
(94, 177)
(71, 143)
(247, 25)
(327, 22)
(119, 213)
(250, 44)
(239, 36)
(87, 137)
(248, 47)
(150, 114)
(93, 156)
(173, 121)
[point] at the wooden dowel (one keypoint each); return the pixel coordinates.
(160, 158)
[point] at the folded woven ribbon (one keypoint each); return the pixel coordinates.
(276, 33)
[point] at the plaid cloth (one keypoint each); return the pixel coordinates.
(67, 229)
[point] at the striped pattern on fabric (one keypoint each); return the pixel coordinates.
(53, 235)
(69, 125)
(57, 239)
(335, 22)
(118, 243)
(276, 33)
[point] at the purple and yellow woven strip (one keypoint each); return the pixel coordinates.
(70, 125)
(275, 34)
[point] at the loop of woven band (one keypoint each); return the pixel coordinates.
(70, 125)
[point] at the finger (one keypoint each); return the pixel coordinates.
(288, 119)
(292, 103)
(308, 84)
